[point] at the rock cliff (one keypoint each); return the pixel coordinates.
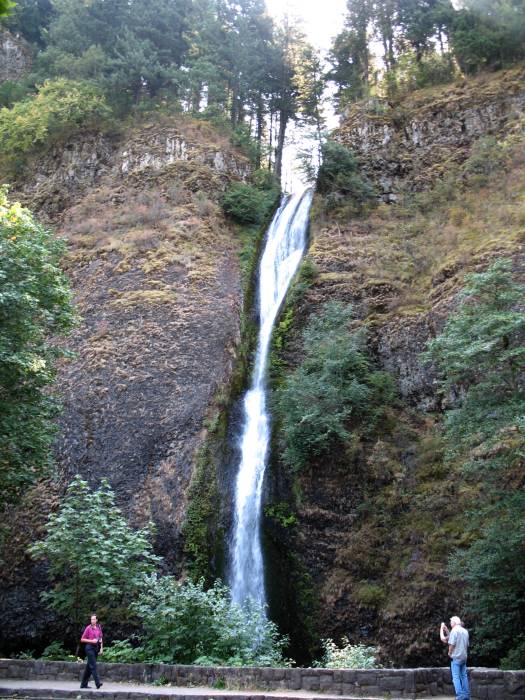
(15, 57)
(368, 531)
(155, 271)
(409, 144)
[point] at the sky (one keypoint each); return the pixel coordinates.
(322, 19)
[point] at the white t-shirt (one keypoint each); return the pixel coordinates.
(459, 640)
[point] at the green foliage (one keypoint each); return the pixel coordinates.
(35, 305)
(184, 623)
(248, 204)
(159, 682)
(493, 568)
(122, 652)
(334, 396)
(413, 73)
(281, 513)
(481, 354)
(96, 561)
(56, 652)
(422, 41)
(486, 156)
(199, 545)
(515, 659)
(488, 34)
(61, 108)
(347, 656)
(482, 351)
(5, 7)
(11, 92)
(338, 176)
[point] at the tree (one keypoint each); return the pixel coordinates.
(488, 33)
(481, 354)
(35, 306)
(96, 561)
(30, 18)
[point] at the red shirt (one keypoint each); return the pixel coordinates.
(94, 633)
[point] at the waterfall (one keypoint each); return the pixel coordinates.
(285, 243)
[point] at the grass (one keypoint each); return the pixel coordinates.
(418, 249)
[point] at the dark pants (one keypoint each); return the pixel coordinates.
(91, 665)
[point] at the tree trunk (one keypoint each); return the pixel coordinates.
(259, 134)
(283, 123)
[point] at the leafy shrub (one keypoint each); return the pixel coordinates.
(123, 652)
(184, 623)
(60, 108)
(35, 305)
(335, 395)
(11, 92)
(339, 178)
(56, 652)
(347, 656)
(247, 204)
(114, 562)
(515, 659)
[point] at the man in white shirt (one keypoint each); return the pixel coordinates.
(458, 642)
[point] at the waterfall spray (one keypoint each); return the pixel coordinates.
(285, 244)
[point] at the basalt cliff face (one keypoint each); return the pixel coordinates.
(15, 57)
(358, 544)
(367, 533)
(155, 271)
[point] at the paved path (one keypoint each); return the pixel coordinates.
(127, 691)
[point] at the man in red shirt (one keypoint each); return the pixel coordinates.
(92, 638)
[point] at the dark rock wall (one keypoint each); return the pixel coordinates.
(155, 272)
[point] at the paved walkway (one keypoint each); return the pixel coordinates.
(127, 691)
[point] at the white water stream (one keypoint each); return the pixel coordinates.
(285, 244)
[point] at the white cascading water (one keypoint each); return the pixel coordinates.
(285, 244)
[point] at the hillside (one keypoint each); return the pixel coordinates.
(367, 532)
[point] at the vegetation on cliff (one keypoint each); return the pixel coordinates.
(481, 355)
(35, 306)
(335, 396)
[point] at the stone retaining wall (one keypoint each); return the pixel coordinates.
(486, 684)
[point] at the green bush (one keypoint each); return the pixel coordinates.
(347, 656)
(56, 652)
(247, 204)
(123, 652)
(338, 177)
(184, 623)
(335, 395)
(59, 109)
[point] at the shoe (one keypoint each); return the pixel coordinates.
(100, 685)
(84, 686)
